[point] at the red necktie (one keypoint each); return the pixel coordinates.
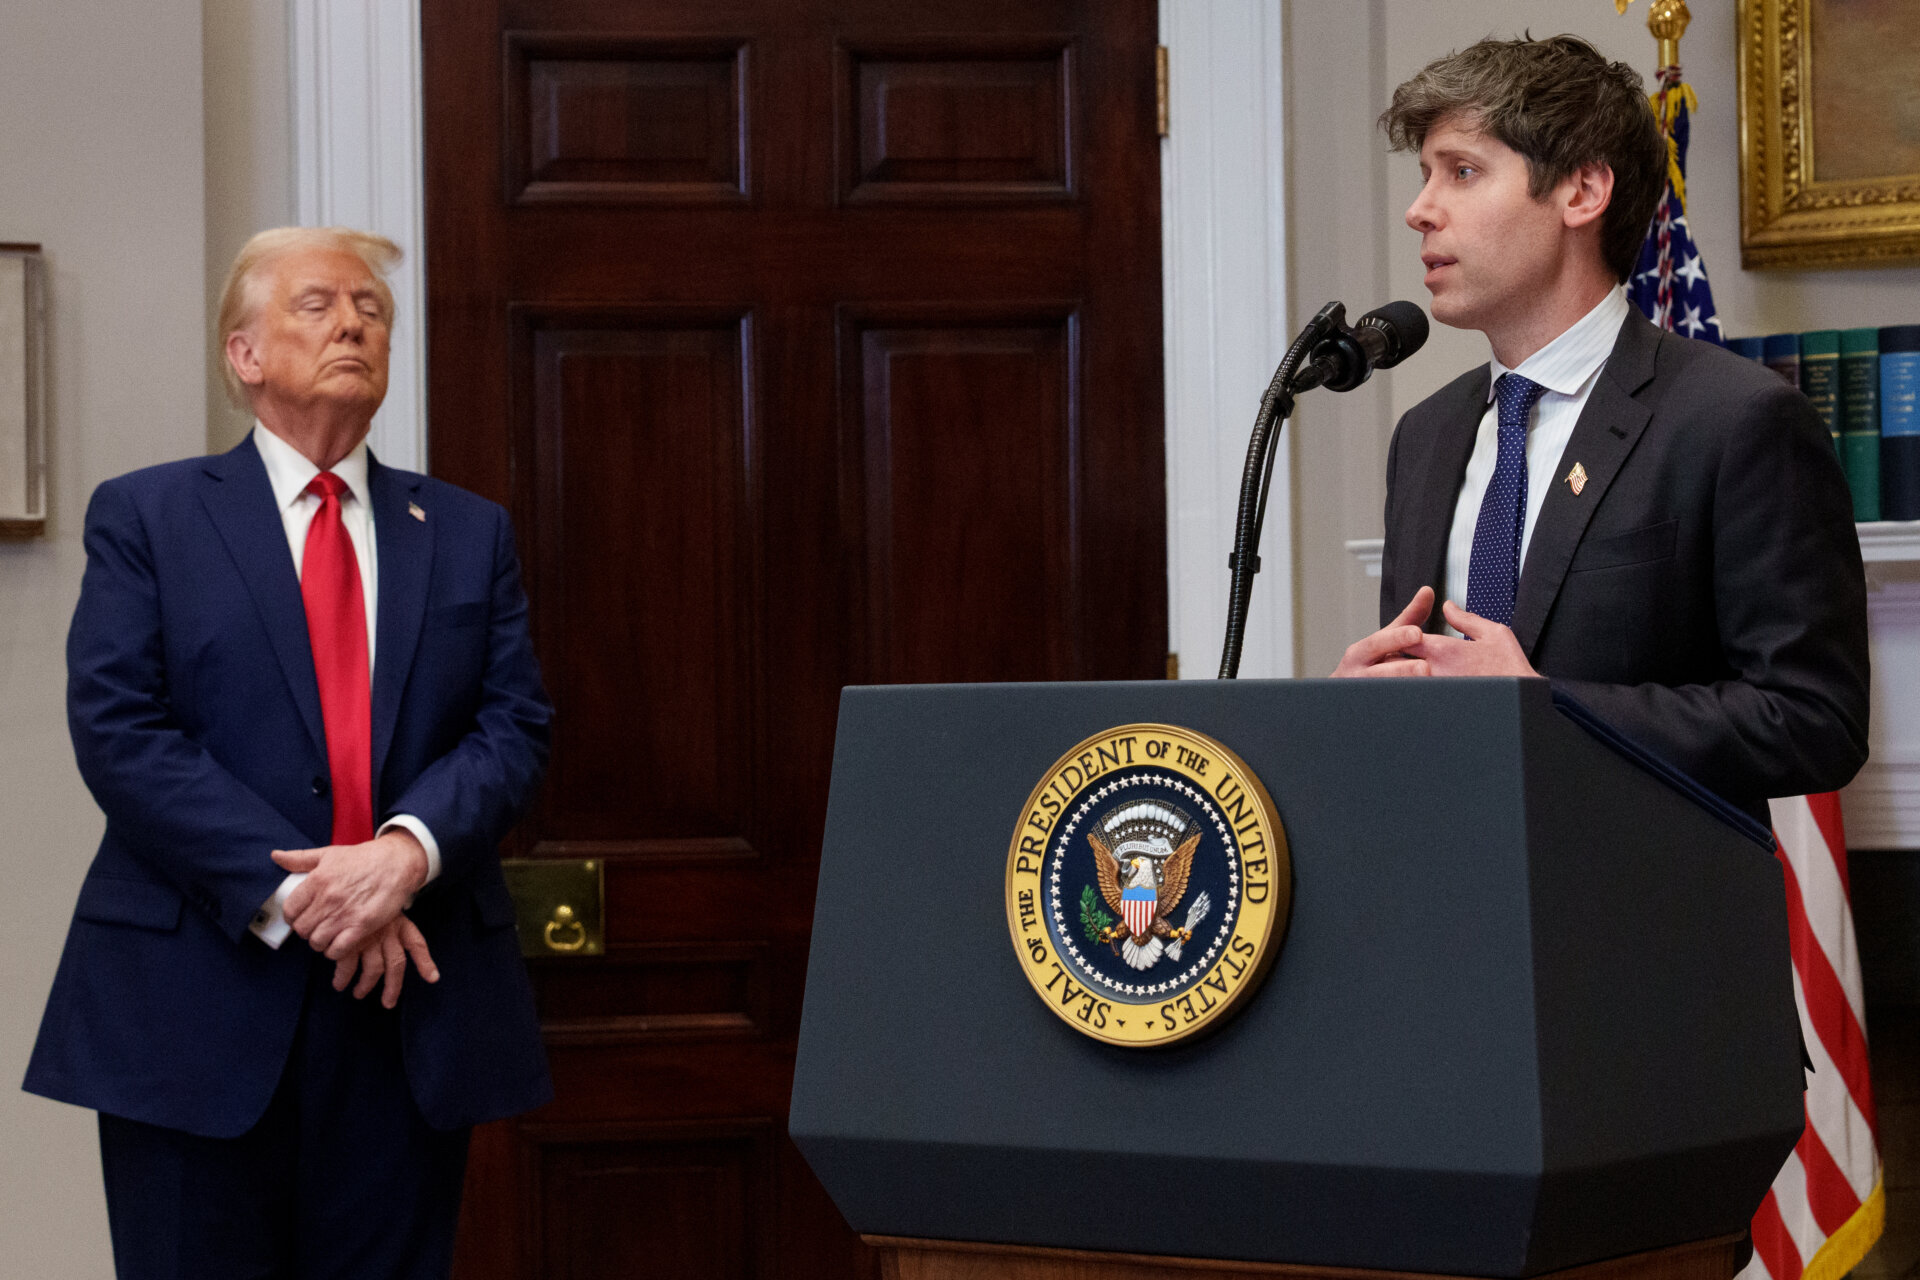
(337, 629)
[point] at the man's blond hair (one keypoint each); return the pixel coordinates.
(240, 298)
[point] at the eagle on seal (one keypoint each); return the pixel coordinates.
(1144, 881)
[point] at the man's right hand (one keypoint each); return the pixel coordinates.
(384, 956)
(1381, 654)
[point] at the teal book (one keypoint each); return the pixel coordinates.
(1820, 377)
(1860, 418)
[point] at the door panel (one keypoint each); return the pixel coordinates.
(953, 596)
(810, 344)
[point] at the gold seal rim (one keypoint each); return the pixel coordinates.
(1276, 912)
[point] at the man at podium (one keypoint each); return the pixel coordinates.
(1651, 522)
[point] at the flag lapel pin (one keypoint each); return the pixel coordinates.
(413, 509)
(1577, 479)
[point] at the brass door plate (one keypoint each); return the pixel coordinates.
(557, 905)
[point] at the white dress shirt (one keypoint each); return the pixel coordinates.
(1567, 367)
(289, 472)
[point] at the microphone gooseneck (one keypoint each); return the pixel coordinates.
(1328, 354)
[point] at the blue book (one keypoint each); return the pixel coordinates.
(1900, 422)
(1751, 348)
(1780, 352)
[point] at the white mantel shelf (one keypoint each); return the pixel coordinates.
(1882, 805)
(1890, 542)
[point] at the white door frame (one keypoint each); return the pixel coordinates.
(355, 76)
(1223, 258)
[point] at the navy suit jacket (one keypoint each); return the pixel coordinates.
(195, 717)
(1703, 591)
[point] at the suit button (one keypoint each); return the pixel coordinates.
(320, 786)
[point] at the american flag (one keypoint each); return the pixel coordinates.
(1669, 283)
(1826, 1206)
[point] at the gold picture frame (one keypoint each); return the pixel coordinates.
(1800, 208)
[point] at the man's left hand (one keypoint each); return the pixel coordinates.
(383, 959)
(352, 891)
(1489, 649)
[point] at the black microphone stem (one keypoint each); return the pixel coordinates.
(1256, 478)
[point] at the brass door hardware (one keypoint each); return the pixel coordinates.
(558, 905)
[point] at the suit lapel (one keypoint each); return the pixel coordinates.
(405, 544)
(1609, 426)
(1439, 492)
(239, 500)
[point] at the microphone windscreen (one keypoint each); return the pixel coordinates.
(1407, 325)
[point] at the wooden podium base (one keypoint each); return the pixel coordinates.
(906, 1259)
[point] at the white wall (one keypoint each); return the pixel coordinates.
(103, 164)
(249, 166)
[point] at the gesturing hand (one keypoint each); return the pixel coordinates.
(384, 955)
(1489, 649)
(1392, 650)
(352, 891)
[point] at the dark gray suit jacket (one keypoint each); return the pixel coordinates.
(1703, 592)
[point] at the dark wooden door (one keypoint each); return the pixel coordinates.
(811, 343)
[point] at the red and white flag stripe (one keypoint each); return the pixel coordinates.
(1826, 1206)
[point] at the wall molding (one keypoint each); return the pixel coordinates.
(357, 163)
(1367, 552)
(1223, 258)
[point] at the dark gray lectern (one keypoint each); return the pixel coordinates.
(1533, 1010)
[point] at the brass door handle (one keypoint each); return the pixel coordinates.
(564, 922)
(559, 906)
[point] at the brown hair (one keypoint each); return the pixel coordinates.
(1561, 105)
(240, 297)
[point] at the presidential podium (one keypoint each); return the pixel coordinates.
(1533, 1012)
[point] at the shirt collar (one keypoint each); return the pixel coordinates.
(1565, 364)
(290, 472)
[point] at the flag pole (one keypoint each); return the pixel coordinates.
(1667, 20)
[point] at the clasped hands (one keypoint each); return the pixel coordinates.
(1401, 648)
(350, 907)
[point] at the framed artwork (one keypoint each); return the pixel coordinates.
(23, 422)
(1829, 132)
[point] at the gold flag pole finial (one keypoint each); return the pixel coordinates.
(1667, 20)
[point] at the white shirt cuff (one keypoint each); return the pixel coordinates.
(270, 921)
(408, 822)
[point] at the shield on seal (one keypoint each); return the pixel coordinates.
(1137, 905)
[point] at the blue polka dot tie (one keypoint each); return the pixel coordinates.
(1493, 573)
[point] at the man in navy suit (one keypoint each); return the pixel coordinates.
(1653, 523)
(301, 687)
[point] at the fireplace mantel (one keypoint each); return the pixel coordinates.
(1882, 805)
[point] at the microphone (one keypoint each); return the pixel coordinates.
(1327, 353)
(1347, 357)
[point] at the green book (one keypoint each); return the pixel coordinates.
(1860, 418)
(1820, 377)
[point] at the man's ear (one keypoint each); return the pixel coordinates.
(244, 358)
(1587, 192)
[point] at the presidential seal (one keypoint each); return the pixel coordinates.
(1147, 885)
